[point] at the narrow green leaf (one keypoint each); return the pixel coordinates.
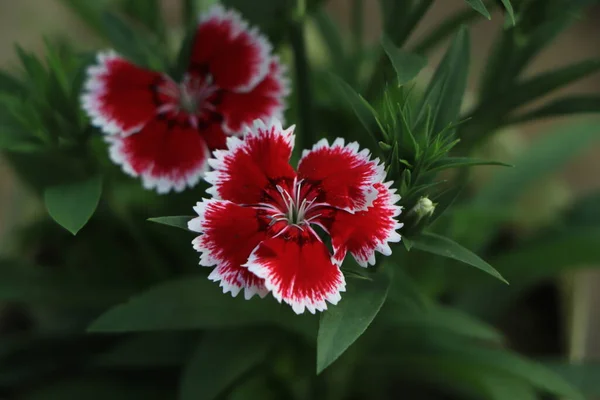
(544, 83)
(445, 247)
(220, 359)
(363, 110)
(455, 162)
(560, 107)
(16, 140)
(505, 387)
(10, 85)
(479, 7)
(525, 266)
(194, 303)
(71, 205)
(341, 325)
(444, 29)
(131, 43)
(581, 375)
(446, 350)
(407, 65)
(330, 33)
(445, 92)
(547, 154)
(445, 199)
(148, 13)
(177, 222)
(509, 10)
(444, 319)
(90, 12)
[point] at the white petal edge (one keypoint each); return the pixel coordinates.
(161, 184)
(382, 246)
(300, 305)
(94, 89)
(218, 162)
(208, 259)
(278, 111)
(240, 26)
(378, 167)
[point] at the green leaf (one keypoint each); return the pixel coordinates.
(363, 110)
(220, 359)
(427, 351)
(548, 154)
(581, 375)
(407, 65)
(455, 162)
(445, 247)
(444, 319)
(131, 43)
(479, 7)
(505, 387)
(177, 222)
(10, 85)
(341, 325)
(331, 37)
(559, 107)
(525, 266)
(445, 91)
(90, 12)
(194, 302)
(148, 13)
(444, 29)
(544, 83)
(71, 205)
(509, 9)
(16, 140)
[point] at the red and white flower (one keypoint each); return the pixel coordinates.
(164, 131)
(258, 230)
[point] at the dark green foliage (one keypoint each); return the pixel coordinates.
(123, 311)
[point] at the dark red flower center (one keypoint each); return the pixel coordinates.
(291, 202)
(197, 97)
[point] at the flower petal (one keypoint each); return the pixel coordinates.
(237, 56)
(297, 269)
(265, 101)
(243, 171)
(343, 176)
(166, 154)
(120, 97)
(364, 232)
(229, 234)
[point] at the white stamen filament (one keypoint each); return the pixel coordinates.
(295, 206)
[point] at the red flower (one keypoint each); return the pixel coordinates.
(164, 131)
(259, 227)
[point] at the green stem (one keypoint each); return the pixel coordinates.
(302, 81)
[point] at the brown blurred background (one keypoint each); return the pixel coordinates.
(26, 21)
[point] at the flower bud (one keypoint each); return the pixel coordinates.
(424, 207)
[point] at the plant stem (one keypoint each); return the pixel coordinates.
(303, 89)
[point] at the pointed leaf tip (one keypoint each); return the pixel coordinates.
(71, 205)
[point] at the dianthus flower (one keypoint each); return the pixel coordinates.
(163, 131)
(259, 230)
